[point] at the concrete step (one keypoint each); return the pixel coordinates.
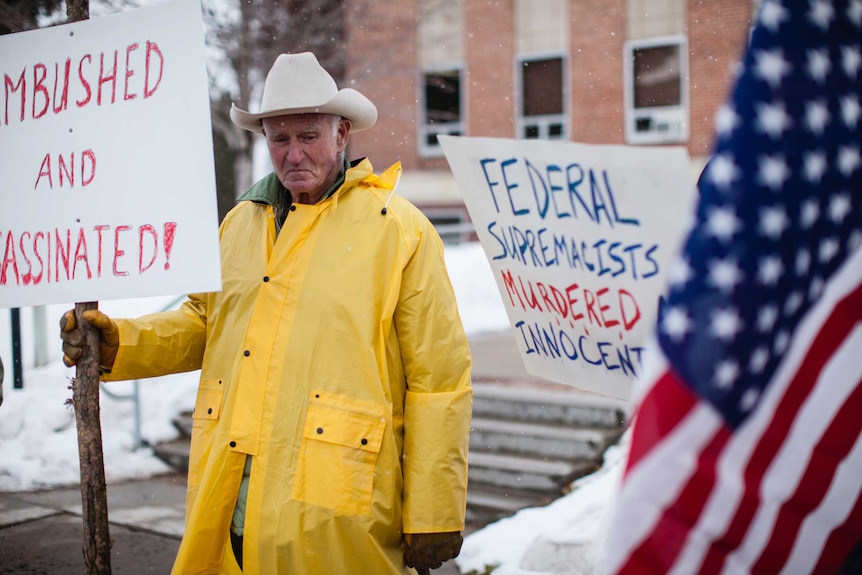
(175, 453)
(540, 439)
(486, 504)
(183, 422)
(525, 474)
(566, 406)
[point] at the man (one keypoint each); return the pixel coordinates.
(333, 413)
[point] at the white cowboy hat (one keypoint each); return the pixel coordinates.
(298, 84)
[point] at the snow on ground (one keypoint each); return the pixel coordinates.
(38, 437)
(566, 536)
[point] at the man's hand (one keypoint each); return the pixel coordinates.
(73, 337)
(425, 551)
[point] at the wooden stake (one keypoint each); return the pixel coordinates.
(85, 397)
(94, 494)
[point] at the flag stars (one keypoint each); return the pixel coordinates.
(816, 288)
(809, 213)
(725, 324)
(726, 374)
(803, 262)
(772, 14)
(722, 171)
(773, 222)
(724, 274)
(772, 120)
(769, 270)
(854, 12)
(848, 160)
(839, 207)
(778, 208)
(821, 14)
(816, 116)
(676, 323)
(680, 272)
(726, 120)
(814, 166)
(749, 399)
(758, 360)
(828, 249)
(782, 340)
(722, 223)
(773, 172)
(818, 64)
(770, 66)
(766, 318)
(851, 60)
(793, 302)
(850, 111)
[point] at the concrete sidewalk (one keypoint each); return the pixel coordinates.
(41, 531)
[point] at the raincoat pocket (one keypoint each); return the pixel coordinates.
(337, 459)
(205, 417)
(208, 401)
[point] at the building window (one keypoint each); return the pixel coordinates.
(441, 109)
(656, 90)
(543, 113)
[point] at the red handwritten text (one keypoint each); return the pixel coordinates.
(93, 79)
(60, 255)
(66, 170)
(603, 308)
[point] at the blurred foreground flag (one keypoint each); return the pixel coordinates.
(746, 451)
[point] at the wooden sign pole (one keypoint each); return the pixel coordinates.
(85, 397)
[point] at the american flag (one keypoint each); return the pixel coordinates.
(745, 453)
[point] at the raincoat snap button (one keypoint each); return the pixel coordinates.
(233, 443)
(319, 430)
(292, 208)
(246, 353)
(210, 410)
(364, 441)
(265, 279)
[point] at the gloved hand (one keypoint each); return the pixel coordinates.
(73, 337)
(426, 551)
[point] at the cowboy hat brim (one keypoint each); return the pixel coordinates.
(347, 103)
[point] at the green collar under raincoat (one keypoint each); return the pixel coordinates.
(334, 356)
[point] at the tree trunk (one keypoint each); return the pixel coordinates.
(242, 162)
(77, 10)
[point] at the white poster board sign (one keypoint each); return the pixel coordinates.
(107, 180)
(580, 239)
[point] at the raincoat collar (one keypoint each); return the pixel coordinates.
(269, 189)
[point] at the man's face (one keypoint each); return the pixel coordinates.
(306, 152)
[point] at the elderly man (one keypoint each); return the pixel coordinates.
(333, 412)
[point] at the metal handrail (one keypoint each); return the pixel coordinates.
(135, 395)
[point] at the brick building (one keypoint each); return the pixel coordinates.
(639, 72)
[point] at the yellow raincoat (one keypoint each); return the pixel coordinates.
(334, 356)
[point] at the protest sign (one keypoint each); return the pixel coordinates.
(106, 161)
(580, 239)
